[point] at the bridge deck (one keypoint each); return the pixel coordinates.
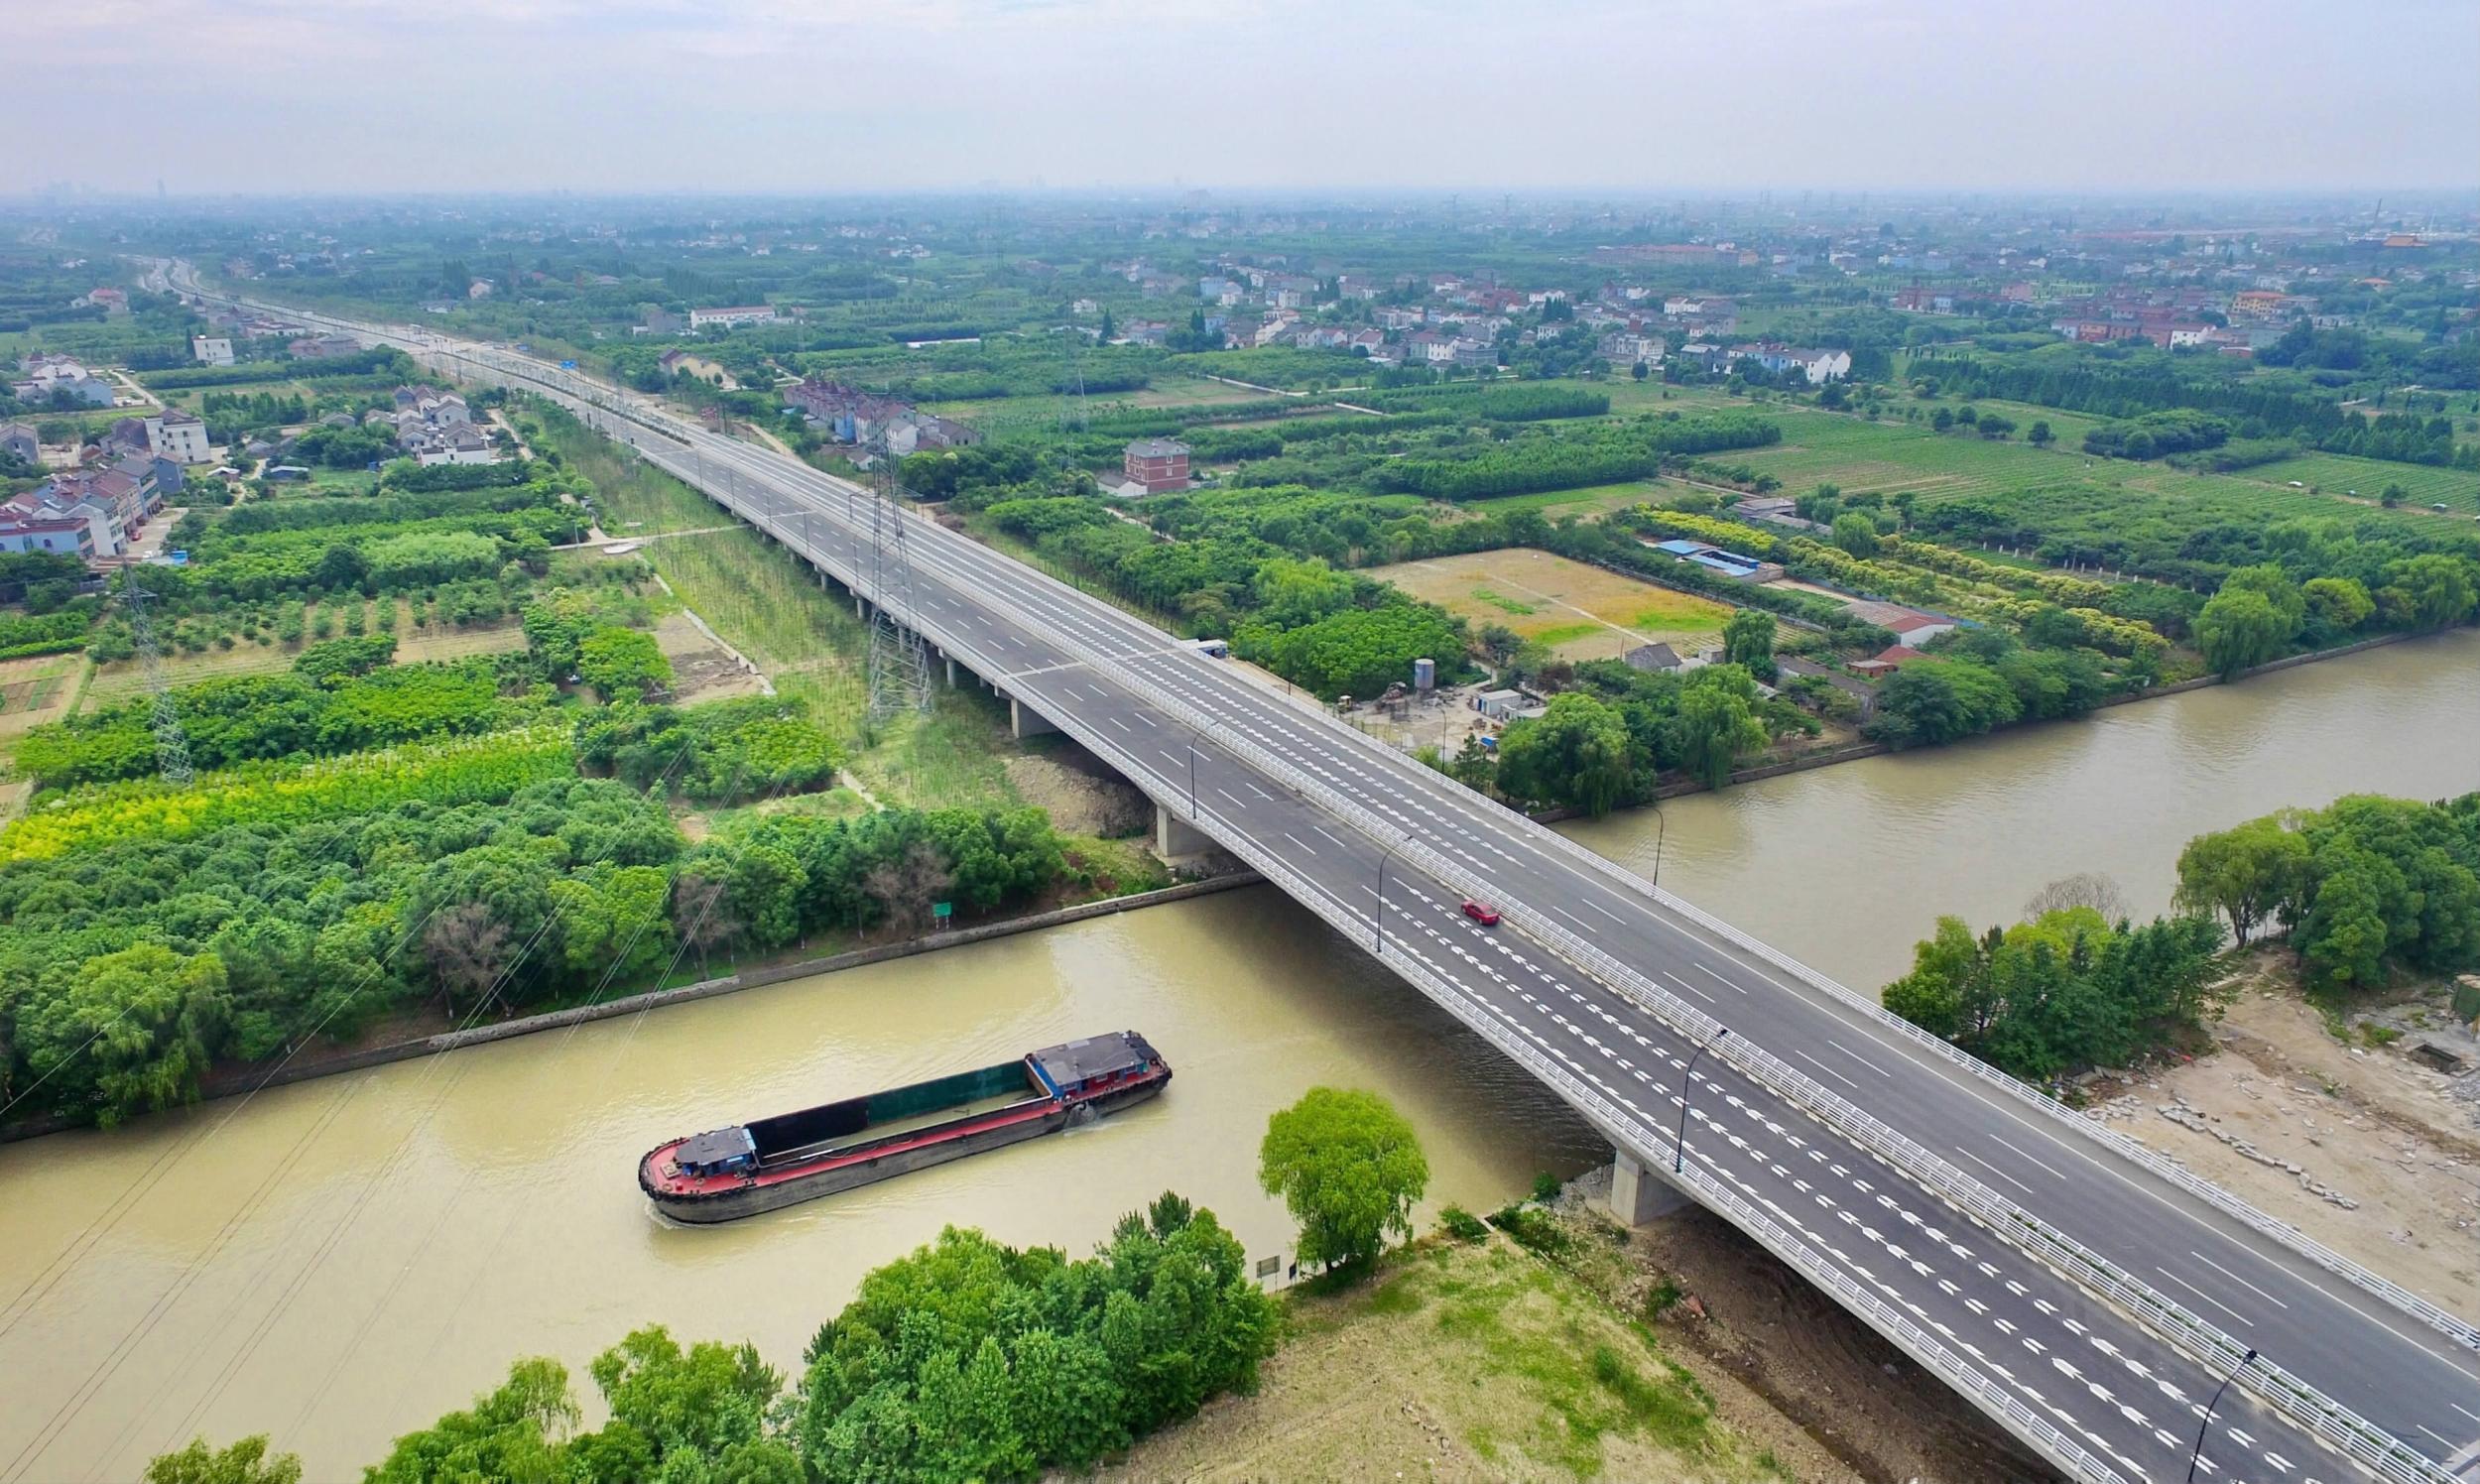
(2093, 1378)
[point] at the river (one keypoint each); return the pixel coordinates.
(339, 1260)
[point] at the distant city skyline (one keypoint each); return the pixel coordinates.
(346, 97)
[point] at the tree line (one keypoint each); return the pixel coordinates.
(2361, 888)
(2254, 409)
(965, 1360)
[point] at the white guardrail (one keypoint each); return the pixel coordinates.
(2463, 1331)
(1623, 1128)
(2352, 1435)
(2207, 1344)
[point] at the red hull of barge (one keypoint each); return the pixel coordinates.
(1071, 1084)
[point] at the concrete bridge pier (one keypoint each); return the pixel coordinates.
(1176, 839)
(1638, 1195)
(1025, 721)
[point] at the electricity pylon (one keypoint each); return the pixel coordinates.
(171, 745)
(900, 677)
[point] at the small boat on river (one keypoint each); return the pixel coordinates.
(726, 1173)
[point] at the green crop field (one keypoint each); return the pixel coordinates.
(1895, 457)
(2337, 473)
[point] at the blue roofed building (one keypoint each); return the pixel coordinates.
(1735, 566)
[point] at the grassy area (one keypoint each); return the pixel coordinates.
(949, 758)
(805, 637)
(635, 498)
(1459, 1362)
(1581, 612)
(1594, 500)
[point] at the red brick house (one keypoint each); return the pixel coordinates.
(1157, 464)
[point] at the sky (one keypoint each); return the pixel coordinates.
(1538, 96)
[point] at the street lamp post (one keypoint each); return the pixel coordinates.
(1662, 832)
(1192, 781)
(1378, 917)
(1687, 1089)
(2203, 1427)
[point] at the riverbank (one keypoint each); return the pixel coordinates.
(225, 1082)
(1679, 1350)
(1854, 752)
(2330, 1121)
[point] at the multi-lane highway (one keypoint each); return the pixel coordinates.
(2090, 1300)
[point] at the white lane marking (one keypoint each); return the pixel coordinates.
(1296, 840)
(2312, 1286)
(1856, 1057)
(1821, 1066)
(1598, 907)
(2465, 1410)
(2235, 1277)
(2035, 1158)
(1235, 802)
(2200, 1293)
(1700, 968)
(1115, 721)
(1330, 834)
(2433, 1433)
(1994, 1170)
(2351, 1300)
(1573, 917)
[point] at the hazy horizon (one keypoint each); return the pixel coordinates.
(353, 98)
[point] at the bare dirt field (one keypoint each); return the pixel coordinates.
(1581, 612)
(703, 668)
(2360, 1146)
(1081, 794)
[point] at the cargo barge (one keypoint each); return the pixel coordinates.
(728, 1173)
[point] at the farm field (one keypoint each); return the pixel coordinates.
(1628, 395)
(1898, 457)
(1594, 500)
(2338, 473)
(36, 689)
(988, 412)
(1580, 612)
(123, 679)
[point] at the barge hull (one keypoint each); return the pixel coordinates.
(751, 1199)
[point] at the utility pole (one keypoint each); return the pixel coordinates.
(1072, 385)
(1378, 917)
(1687, 1089)
(2202, 1426)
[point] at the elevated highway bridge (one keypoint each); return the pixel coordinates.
(2121, 1318)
